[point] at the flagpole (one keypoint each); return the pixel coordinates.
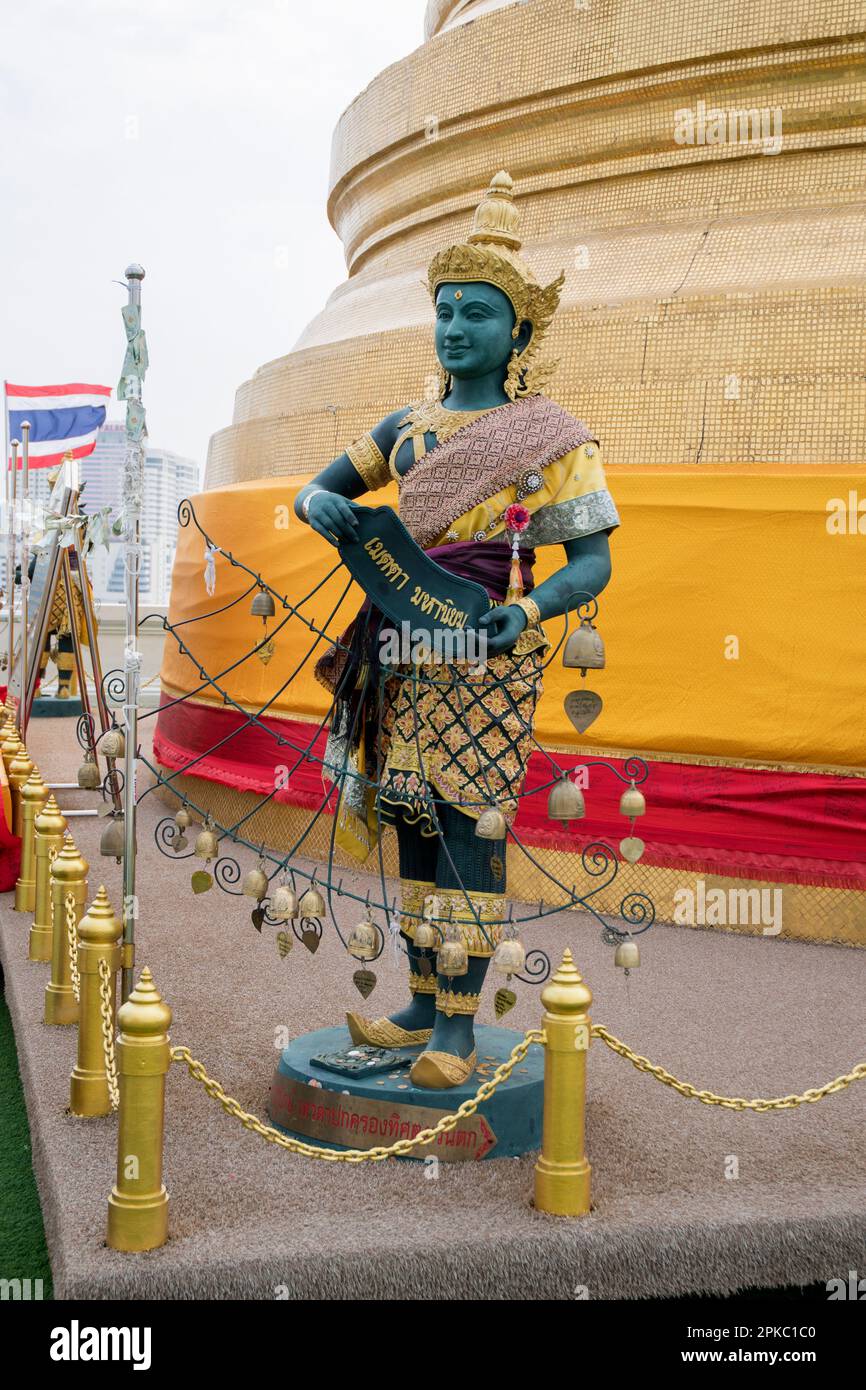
(133, 482)
(23, 708)
(10, 552)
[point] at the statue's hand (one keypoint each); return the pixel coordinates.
(502, 625)
(332, 516)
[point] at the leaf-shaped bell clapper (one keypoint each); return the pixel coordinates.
(112, 744)
(491, 825)
(284, 903)
(255, 884)
(584, 649)
(365, 941)
(312, 903)
(627, 955)
(632, 803)
(206, 842)
(509, 957)
(113, 838)
(452, 958)
(183, 819)
(263, 605)
(88, 774)
(565, 802)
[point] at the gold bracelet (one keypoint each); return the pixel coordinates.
(531, 609)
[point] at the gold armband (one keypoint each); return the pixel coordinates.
(369, 462)
(531, 609)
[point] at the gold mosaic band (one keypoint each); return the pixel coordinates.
(449, 1002)
(369, 461)
(531, 609)
(413, 893)
(423, 984)
(481, 910)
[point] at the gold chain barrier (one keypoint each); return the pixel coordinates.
(375, 1155)
(106, 1011)
(761, 1107)
(72, 946)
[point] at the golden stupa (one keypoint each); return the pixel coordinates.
(698, 171)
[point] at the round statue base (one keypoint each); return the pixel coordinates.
(366, 1111)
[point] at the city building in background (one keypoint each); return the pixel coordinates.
(168, 479)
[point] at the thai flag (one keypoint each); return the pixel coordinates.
(63, 419)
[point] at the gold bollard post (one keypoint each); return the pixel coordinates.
(49, 825)
(11, 744)
(34, 795)
(68, 880)
(99, 937)
(562, 1173)
(20, 769)
(138, 1205)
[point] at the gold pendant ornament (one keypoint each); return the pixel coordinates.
(583, 708)
(284, 943)
(201, 881)
(183, 819)
(364, 982)
(631, 848)
(503, 1001)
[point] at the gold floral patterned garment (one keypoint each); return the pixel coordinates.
(445, 729)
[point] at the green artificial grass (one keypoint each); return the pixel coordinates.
(23, 1252)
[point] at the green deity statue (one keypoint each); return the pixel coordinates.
(487, 472)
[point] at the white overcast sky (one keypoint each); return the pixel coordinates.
(192, 136)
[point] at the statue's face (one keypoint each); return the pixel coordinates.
(474, 325)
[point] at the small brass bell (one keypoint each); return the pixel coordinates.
(112, 842)
(565, 802)
(509, 957)
(627, 955)
(112, 744)
(255, 884)
(632, 803)
(206, 842)
(365, 941)
(491, 825)
(584, 649)
(284, 903)
(426, 935)
(452, 958)
(88, 773)
(312, 903)
(183, 819)
(263, 605)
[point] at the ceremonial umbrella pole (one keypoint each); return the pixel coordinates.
(23, 708)
(134, 367)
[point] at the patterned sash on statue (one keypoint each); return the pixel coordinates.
(512, 441)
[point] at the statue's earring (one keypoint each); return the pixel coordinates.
(513, 384)
(444, 382)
